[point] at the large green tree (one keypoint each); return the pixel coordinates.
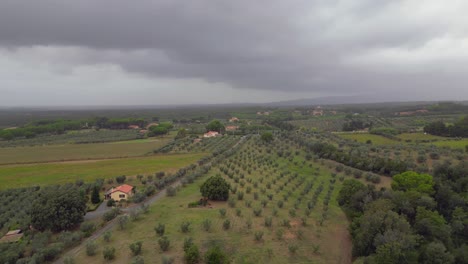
(215, 188)
(58, 209)
(413, 181)
(215, 125)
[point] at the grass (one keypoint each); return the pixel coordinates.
(67, 152)
(14, 176)
(363, 137)
(460, 144)
(419, 136)
(331, 238)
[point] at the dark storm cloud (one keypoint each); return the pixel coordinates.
(323, 45)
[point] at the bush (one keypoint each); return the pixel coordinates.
(226, 224)
(87, 228)
(135, 247)
(215, 255)
(222, 212)
(108, 253)
(107, 236)
(268, 221)
(122, 221)
(185, 227)
(138, 260)
(159, 229)
(206, 224)
(192, 254)
(258, 235)
(91, 248)
(164, 243)
(215, 188)
(257, 212)
(108, 216)
(69, 260)
(110, 203)
(120, 179)
(167, 260)
(292, 248)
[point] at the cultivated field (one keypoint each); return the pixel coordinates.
(70, 152)
(297, 196)
(15, 176)
(364, 137)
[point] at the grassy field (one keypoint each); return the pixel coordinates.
(322, 239)
(121, 149)
(419, 136)
(460, 144)
(14, 176)
(363, 137)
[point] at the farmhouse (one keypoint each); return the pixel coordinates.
(234, 119)
(12, 236)
(124, 191)
(231, 128)
(133, 127)
(211, 134)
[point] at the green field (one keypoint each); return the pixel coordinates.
(419, 136)
(460, 144)
(14, 176)
(327, 234)
(69, 152)
(363, 137)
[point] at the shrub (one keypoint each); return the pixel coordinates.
(292, 212)
(68, 260)
(292, 248)
(240, 195)
(138, 260)
(206, 224)
(185, 226)
(167, 259)
(91, 248)
(215, 255)
(258, 235)
(110, 203)
(268, 221)
(226, 224)
(192, 254)
(87, 228)
(232, 202)
(164, 243)
(222, 212)
(257, 212)
(136, 247)
(279, 234)
(122, 221)
(107, 236)
(159, 229)
(120, 179)
(238, 212)
(108, 253)
(280, 204)
(248, 223)
(111, 214)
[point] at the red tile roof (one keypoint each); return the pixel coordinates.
(123, 188)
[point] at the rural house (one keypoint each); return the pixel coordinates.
(211, 134)
(124, 191)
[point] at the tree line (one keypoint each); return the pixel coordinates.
(422, 219)
(439, 128)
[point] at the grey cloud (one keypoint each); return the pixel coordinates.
(293, 45)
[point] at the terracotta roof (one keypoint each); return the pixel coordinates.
(125, 188)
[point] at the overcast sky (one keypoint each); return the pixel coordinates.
(112, 52)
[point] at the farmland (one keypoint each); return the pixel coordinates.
(14, 176)
(71, 152)
(298, 193)
(364, 137)
(273, 189)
